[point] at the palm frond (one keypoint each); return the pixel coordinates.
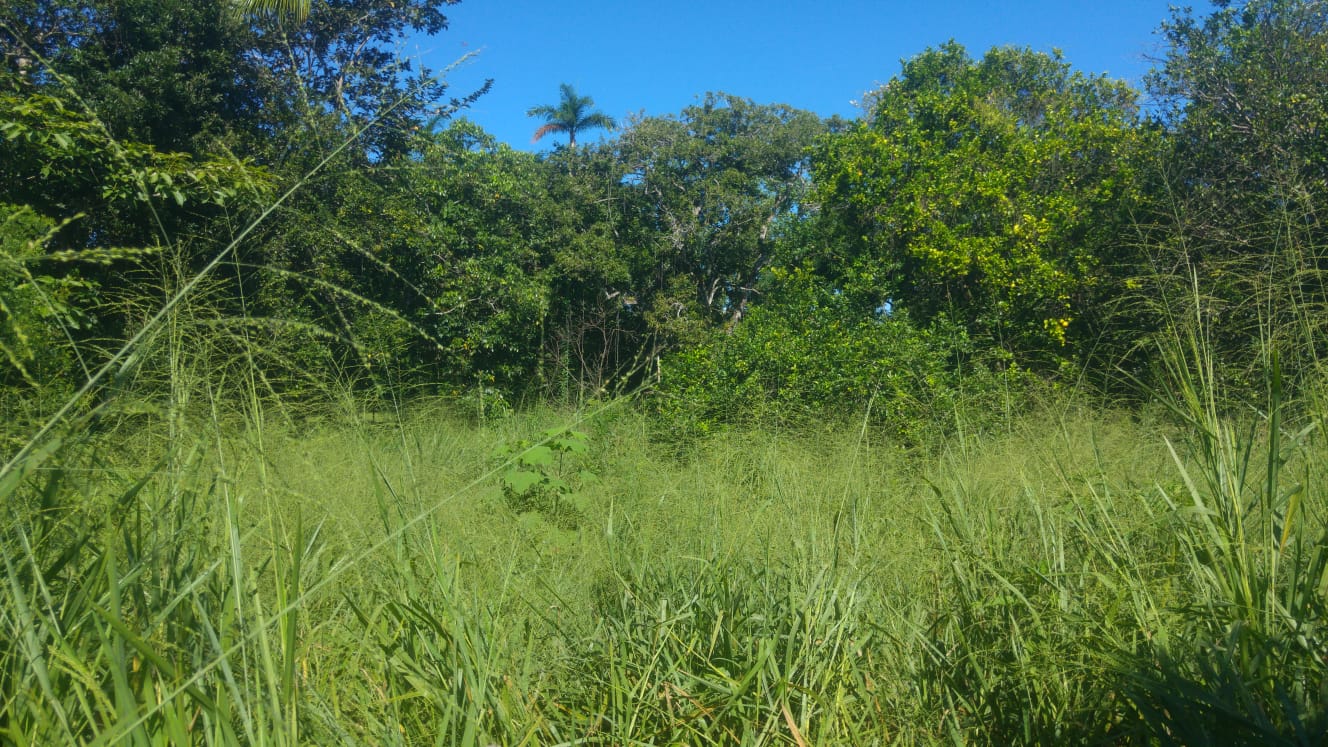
(296, 9)
(548, 129)
(599, 119)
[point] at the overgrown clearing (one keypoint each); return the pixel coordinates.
(993, 416)
(1063, 578)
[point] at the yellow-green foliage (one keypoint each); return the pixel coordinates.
(990, 190)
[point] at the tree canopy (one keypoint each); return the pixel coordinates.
(989, 191)
(1023, 210)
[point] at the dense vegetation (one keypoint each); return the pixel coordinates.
(993, 415)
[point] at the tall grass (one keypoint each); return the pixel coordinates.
(1244, 659)
(1082, 577)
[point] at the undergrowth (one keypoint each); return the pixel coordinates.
(1082, 577)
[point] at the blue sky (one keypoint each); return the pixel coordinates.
(657, 57)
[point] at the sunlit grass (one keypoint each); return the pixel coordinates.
(788, 588)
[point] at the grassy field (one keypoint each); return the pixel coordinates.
(234, 575)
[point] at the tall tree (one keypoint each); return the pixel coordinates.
(572, 114)
(176, 75)
(182, 75)
(1243, 93)
(713, 184)
(180, 85)
(988, 192)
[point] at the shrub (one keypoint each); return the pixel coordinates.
(804, 356)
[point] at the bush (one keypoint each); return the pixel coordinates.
(803, 356)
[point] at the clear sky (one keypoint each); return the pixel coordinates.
(658, 57)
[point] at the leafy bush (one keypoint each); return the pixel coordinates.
(805, 356)
(542, 477)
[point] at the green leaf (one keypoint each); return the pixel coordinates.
(10, 480)
(538, 456)
(570, 445)
(520, 480)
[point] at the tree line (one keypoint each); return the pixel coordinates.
(985, 220)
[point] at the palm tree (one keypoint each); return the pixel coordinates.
(573, 114)
(297, 9)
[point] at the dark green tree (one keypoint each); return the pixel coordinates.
(73, 200)
(176, 75)
(187, 75)
(571, 115)
(180, 85)
(430, 267)
(480, 267)
(343, 60)
(603, 274)
(712, 185)
(1242, 183)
